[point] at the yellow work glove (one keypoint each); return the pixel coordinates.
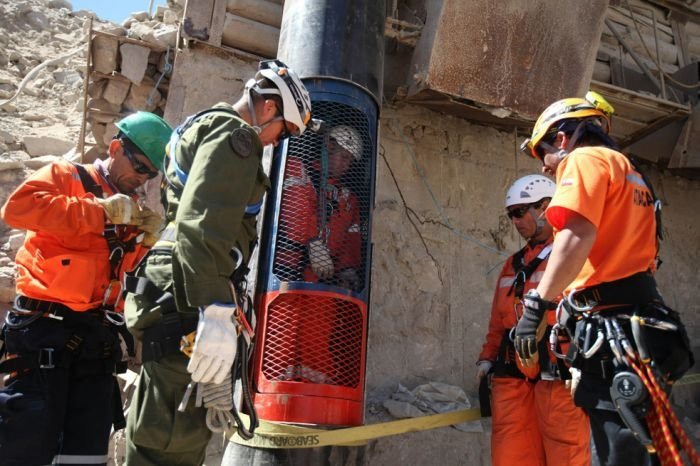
(120, 209)
(152, 224)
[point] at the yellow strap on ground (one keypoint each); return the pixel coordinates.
(275, 435)
(688, 379)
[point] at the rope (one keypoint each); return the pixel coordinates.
(218, 399)
(32, 74)
(665, 429)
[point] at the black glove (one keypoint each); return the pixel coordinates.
(530, 326)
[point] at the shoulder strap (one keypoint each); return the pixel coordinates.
(175, 139)
(117, 247)
(89, 183)
(524, 271)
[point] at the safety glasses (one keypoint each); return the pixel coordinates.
(139, 167)
(518, 212)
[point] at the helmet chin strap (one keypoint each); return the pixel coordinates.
(539, 223)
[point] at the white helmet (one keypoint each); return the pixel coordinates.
(296, 103)
(349, 139)
(529, 189)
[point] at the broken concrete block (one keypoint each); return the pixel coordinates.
(104, 54)
(98, 131)
(170, 17)
(116, 91)
(45, 145)
(96, 88)
(140, 15)
(111, 130)
(134, 61)
(166, 36)
(102, 111)
(38, 162)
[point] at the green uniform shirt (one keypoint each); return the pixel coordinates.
(222, 156)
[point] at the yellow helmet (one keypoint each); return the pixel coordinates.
(571, 108)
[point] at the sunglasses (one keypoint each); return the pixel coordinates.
(139, 167)
(519, 212)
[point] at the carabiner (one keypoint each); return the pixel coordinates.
(576, 307)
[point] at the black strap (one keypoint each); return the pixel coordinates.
(117, 247)
(523, 271)
(639, 288)
(163, 338)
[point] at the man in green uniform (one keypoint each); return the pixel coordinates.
(215, 190)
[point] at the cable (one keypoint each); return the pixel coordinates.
(438, 207)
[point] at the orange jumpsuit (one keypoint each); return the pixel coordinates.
(299, 223)
(535, 421)
(65, 257)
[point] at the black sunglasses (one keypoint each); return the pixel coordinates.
(519, 212)
(139, 167)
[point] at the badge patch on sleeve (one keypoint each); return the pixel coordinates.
(241, 142)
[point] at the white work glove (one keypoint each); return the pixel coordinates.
(152, 224)
(215, 344)
(120, 209)
(483, 368)
(320, 258)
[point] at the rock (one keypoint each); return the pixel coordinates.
(134, 61)
(34, 116)
(167, 36)
(170, 17)
(104, 54)
(69, 77)
(138, 98)
(56, 4)
(37, 20)
(10, 164)
(116, 91)
(38, 162)
(140, 15)
(45, 145)
(7, 286)
(6, 137)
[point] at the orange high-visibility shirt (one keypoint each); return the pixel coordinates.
(601, 185)
(65, 257)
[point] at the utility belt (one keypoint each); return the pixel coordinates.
(33, 340)
(639, 288)
(36, 308)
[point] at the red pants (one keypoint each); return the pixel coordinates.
(537, 424)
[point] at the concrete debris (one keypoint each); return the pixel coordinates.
(430, 398)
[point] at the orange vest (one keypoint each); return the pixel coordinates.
(65, 257)
(505, 305)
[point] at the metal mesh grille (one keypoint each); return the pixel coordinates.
(313, 339)
(323, 232)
